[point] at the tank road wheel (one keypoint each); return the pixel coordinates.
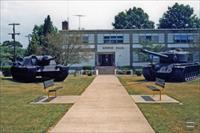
(149, 73)
(186, 77)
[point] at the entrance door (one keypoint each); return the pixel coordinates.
(106, 59)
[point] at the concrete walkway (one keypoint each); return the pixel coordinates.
(105, 107)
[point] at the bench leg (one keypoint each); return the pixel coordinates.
(48, 95)
(160, 95)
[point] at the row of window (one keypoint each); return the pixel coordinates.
(137, 38)
(149, 38)
(183, 38)
(113, 39)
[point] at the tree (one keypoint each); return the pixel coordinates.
(151, 46)
(33, 47)
(179, 16)
(4, 54)
(39, 42)
(6, 51)
(67, 48)
(134, 18)
(48, 27)
(11, 43)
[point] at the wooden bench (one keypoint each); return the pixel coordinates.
(160, 85)
(50, 87)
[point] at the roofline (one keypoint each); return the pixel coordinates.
(110, 30)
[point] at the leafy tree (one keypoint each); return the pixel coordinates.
(6, 52)
(48, 27)
(11, 43)
(33, 47)
(67, 48)
(151, 46)
(134, 18)
(179, 16)
(39, 41)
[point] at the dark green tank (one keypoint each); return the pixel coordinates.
(173, 66)
(33, 67)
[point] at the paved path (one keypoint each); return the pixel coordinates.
(105, 107)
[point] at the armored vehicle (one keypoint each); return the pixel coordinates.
(173, 66)
(33, 67)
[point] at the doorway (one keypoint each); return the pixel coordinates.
(106, 59)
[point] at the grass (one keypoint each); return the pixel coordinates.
(169, 118)
(18, 115)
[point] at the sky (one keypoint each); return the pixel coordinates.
(97, 14)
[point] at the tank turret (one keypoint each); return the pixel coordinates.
(44, 60)
(173, 66)
(171, 56)
(32, 67)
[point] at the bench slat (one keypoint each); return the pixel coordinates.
(48, 83)
(160, 82)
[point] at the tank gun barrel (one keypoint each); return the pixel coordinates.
(154, 53)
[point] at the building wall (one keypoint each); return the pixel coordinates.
(125, 43)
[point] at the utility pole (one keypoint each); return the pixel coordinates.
(79, 20)
(29, 38)
(13, 37)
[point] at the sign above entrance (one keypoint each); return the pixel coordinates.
(113, 48)
(108, 47)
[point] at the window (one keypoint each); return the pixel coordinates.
(152, 38)
(190, 39)
(149, 38)
(183, 38)
(155, 39)
(106, 39)
(85, 39)
(113, 39)
(88, 38)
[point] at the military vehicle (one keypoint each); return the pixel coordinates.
(34, 67)
(173, 66)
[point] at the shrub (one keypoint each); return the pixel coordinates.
(89, 73)
(128, 72)
(125, 68)
(6, 71)
(138, 73)
(87, 67)
(123, 72)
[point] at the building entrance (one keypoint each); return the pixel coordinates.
(106, 59)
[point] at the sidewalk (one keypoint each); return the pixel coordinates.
(105, 107)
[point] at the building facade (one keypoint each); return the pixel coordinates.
(121, 47)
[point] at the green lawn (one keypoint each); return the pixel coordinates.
(169, 118)
(18, 115)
